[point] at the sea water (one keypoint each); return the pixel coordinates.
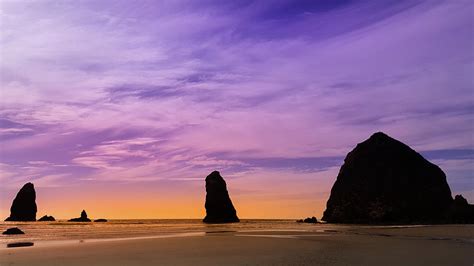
(58, 232)
(64, 230)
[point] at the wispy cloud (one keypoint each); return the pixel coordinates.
(114, 152)
(7, 131)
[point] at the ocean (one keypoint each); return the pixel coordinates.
(62, 230)
(47, 233)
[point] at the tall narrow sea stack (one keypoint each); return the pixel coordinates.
(384, 181)
(219, 208)
(24, 205)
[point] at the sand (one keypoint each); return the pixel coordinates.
(434, 245)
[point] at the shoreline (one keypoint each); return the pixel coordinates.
(440, 245)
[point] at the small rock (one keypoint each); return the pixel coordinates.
(100, 220)
(311, 220)
(13, 231)
(46, 218)
(83, 218)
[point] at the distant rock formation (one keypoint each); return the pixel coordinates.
(13, 231)
(100, 220)
(384, 181)
(24, 205)
(46, 218)
(83, 218)
(219, 208)
(308, 220)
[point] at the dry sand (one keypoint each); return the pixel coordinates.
(434, 245)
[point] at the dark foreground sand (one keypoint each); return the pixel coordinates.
(438, 245)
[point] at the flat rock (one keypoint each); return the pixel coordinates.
(46, 218)
(20, 244)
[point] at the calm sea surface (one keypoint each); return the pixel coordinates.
(63, 230)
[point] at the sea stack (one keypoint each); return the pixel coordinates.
(219, 208)
(83, 218)
(383, 181)
(24, 205)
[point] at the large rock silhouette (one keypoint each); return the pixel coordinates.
(24, 205)
(219, 208)
(384, 181)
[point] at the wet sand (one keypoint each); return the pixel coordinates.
(352, 245)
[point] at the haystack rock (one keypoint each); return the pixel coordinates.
(24, 205)
(384, 181)
(219, 208)
(83, 218)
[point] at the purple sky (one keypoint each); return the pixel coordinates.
(140, 94)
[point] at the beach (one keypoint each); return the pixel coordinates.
(250, 243)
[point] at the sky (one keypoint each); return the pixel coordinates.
(123, 108)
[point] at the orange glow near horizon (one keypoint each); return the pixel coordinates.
(174, 208)
(284, 200)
